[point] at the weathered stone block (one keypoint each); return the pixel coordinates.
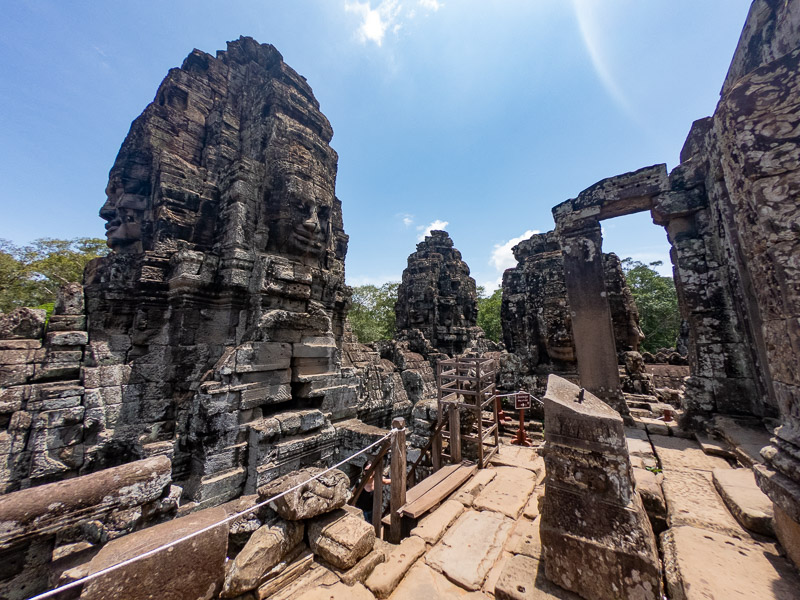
(590, 505)
(22, 324)
(318, 496)
(192, 569)
(265, 549)
(341, 538)
(67, 338)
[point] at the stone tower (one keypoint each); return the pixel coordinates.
(223, 302)
(437, 297)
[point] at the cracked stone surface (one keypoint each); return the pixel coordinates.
(470, 547)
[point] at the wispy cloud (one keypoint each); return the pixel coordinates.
(426, 230)
(591, 32)
(502, 257)
(408, 219)
(432, 5)
(375, 21)
(388, 15)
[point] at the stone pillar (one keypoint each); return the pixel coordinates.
(596, 538)
(592, 327)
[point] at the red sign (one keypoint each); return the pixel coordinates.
(522, 400)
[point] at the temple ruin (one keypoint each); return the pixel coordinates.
(200, 405)
(437, 301)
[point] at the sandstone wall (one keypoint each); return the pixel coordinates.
(535, 312)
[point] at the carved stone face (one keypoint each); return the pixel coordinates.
(125, 214)
(302, 227)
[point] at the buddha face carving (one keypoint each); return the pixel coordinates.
(302, 226)
(125, 214)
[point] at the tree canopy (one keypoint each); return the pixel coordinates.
(372, 314)
(489, 313)
(657, 301)
(31, 275)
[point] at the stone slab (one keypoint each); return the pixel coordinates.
(525, 540)
(337, 591)
(531, 510)
(432, 527)
(508, 492)
(155, 576)
(747, 503)
(523, 578)
(423, 583)
(747, 440)
(679, 454)
(466, 493)
(510, 455)
(470, 547)
(692, 500)
(386, 576)
(713, 446)
(701, 564)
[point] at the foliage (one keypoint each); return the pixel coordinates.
(657, 302)
(31, 275)
(489, 313)
(372, 313)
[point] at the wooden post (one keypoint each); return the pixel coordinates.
(455, 432)
(398, 477)
(436, 446)
(377, 498)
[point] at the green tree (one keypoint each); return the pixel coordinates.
(372, 313)
(657, 301)
(489, 313)
(31, 275)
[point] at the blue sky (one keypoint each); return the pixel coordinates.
(481, 114)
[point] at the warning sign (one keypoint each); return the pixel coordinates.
(522, 400)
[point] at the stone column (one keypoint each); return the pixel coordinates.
(592, 328)
(596, 538)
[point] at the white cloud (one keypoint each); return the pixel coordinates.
(375, 21)
(408, 219)
(502, 257)
(388, 15)
(433, 5)
(492, 285)
(437, 224)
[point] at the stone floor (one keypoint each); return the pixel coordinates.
(483, 542)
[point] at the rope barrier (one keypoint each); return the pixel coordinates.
(189, 536)
(515, 393)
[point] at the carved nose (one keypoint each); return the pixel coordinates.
(312, 222)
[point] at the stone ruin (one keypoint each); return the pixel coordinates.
(730, 212)
(214, 334)
(595, 533)
(209, 356)
(437, 301)
(537, 326)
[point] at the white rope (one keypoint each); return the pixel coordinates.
(228, 519)
(515, 393)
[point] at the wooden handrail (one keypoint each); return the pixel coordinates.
(412, 473)
(376, 460)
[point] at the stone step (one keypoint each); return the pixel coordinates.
(747, 437)
(747, 503)
(700, 564)
(714, 447)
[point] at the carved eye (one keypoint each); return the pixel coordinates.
(129, 219)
